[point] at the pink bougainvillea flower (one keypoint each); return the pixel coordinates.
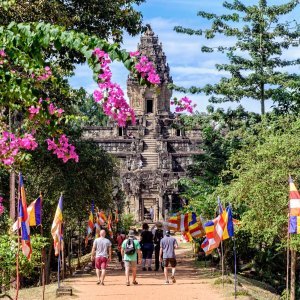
(183, 104)
(62, 149)
(134, 53)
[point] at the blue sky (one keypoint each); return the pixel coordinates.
(188, 65)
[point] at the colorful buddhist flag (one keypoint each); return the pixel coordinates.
(34, 211)
(185, 219)
(24, 220)
(109, 226)
(102, 217)
(229, 228)
(214, 232)
(173, 223)
(57, 227)
(294, 209)
(196, 229)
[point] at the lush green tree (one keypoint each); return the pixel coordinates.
(104, 18)
(258, 191)
(219, 140)
(255, 64)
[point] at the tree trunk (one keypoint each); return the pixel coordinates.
(293, 274)
(262, 99)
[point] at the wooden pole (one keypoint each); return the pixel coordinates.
(288, 264)
(43, 253)
(293, 274)
(222, 261)
(235, 269)
(18, 251)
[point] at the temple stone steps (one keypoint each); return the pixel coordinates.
(149, 160)
(150, 145)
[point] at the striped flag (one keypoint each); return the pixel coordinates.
(229, 228)
(57, 227)
(24, 220)
(214, 232)
(185, 219)
(109, 226)
(173, 223)
(294, 208)
(34, 211)
(196, 229)
(102, 217)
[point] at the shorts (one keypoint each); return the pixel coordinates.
(171, 261)
(131, 264)
(101, 263)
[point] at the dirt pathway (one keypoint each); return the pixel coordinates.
(151, 285)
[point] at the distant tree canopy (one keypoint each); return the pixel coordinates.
(256, 66)
(104, 18)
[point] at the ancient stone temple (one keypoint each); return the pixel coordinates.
(154, 153)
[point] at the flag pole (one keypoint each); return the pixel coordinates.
(287, 264)
(235, 269)
(288, 249)
(18, 251)
(222, 250)
(43, 251)
(58, 270)
(222, 261)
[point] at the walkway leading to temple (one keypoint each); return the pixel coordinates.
(191, 284)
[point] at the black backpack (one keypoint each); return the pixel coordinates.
(159, 234)
(129, 247)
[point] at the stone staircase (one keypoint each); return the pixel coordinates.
(149, 155)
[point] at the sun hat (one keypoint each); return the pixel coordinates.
(159, 225)
(131, 233)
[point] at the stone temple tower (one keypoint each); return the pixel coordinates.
(146, 100)
(155, 153)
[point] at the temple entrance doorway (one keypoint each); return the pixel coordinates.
(149, 106)
(147, 204)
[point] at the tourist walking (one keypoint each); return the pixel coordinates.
(131, 254)
(158, 235)
(167, 254)
(120, 239)
(101, 253)
(147, 247)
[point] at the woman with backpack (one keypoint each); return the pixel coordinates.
(131, 254)
(147, 246)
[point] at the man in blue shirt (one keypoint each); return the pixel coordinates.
(167, 254)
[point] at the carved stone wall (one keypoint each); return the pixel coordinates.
(156, 152)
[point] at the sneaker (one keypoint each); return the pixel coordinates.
(134, 282)
(149, 269)
(167, 282)
(102, 283)
(127, 283)
(98, 282)
(144, 269)
(173, 279)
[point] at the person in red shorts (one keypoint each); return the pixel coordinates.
(101, 253)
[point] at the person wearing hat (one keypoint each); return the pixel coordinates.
(167, 254)
(158, 235)
(131, 253)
